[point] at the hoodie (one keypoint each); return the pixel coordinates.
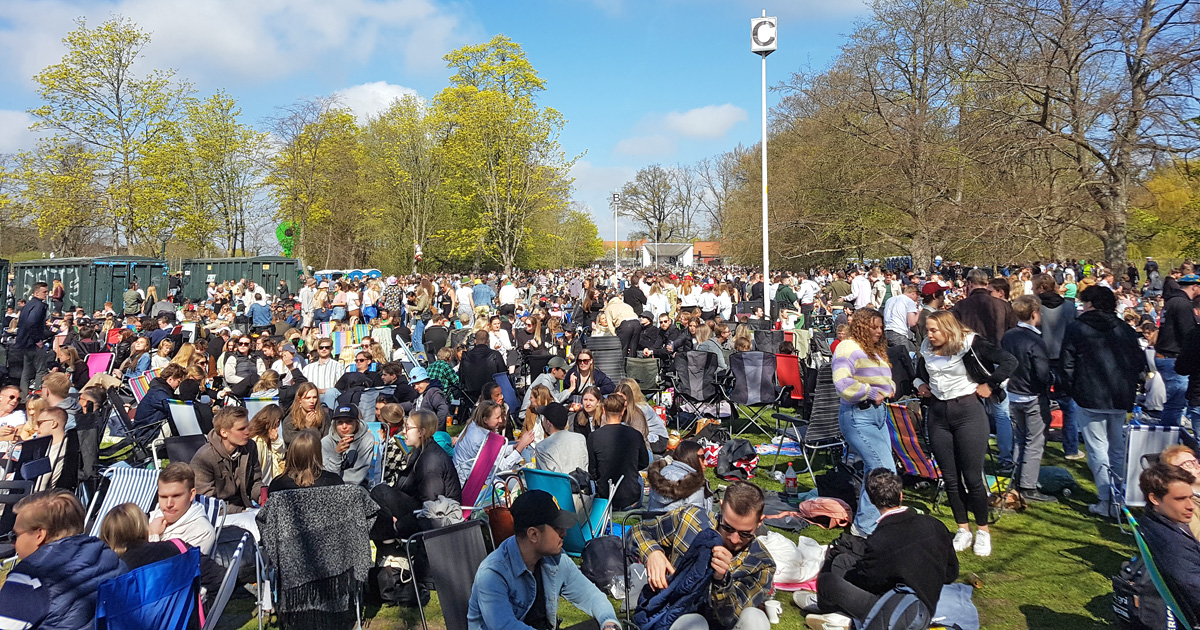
(192, 528)
(355, 462)
(1102, 361)
(1057, 314)
(70, 404)
(1177, 320)
(674, 484)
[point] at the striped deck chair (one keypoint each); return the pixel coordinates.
(907, 444)
(359, 332)
(215, 510)
(126, 485)
(383, 337)
(140, 384)
(1160, 585)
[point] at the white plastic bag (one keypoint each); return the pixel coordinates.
(810, 555)
(783, 552)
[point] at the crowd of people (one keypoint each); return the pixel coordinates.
(988, 352)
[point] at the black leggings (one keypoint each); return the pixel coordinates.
(628, 332)
(958, 436)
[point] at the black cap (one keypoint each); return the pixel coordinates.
(555, 412)
(647, 315)
(535, 508)
(346, 411)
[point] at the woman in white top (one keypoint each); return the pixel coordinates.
(656, 300)
(689, 294)
(707, 303)
(488, 418)
(11, 418)
(956, 371)
(163, 357)
(724, 302)
(498, 338)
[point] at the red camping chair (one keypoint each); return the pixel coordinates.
(787, 373)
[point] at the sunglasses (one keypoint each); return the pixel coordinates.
(362, 360)
(243, 343)
(585, 360)
(325, 348)
(729, 531)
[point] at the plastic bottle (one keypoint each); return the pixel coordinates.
(1139, 416)
(789, 481)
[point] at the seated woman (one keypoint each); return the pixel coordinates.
(678, 480)
(306, 412)
(589, 411)
(656, 430)
(539, 395)
(426, 474)
(585, 374)
(304, 467)
(488, 418)
(1164, 526)
(126, 530)
(705, 342)
(162, 358)
(267, 437)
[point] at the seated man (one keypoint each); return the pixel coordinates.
(53, 422)
(153, 408)
(1164, 526)
(54, 585)
(227, 468)
(906, 548)
(561, 451)
(742, 570)
(178, 515)
(518, 585)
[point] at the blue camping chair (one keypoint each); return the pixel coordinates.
(592, 525)
(1159, 584)
(159, 596)
(510, 393)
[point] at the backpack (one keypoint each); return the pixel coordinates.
(1135, 600)
(898, 609)
(603, 564)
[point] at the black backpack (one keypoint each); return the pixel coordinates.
(1136, 602)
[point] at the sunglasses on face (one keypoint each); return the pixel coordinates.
(325, 348)
(729, 531)
(243, 343)
(585, 360)
(361, 360)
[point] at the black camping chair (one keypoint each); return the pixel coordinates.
(695, 383)
(768, 340)
(141, 438)
(11, 493)
(34, 461)
(460, 549)
(608, 355)
(820, 431)
(754, 386)
(182, 448)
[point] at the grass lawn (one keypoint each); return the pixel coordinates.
(1049, 569)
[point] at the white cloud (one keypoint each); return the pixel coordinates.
(15, 134)
(710, 122)
(646, 146)
(590, 178)
(369, 99)
(223, 40)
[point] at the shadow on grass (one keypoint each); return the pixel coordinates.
(1042, 618)
(1103, 560)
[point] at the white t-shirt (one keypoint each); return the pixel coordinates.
(895, 313)
(351, 301)
(508, 294)
(464, 295)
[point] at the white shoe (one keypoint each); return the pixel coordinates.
(831, 621)
(983, 544)
(962, 539)
(805, 600)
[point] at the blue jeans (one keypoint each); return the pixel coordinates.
(418, 328)
(337, 314)
(1104, 434)
(867, 435)
(1002, 421)
(1176, 385)
(1070, 425)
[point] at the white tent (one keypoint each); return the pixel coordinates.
(671, 254)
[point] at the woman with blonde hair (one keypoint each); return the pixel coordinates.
(656, 430)
(307, 412)
(267, 436)
(185, 354)
(863, 378)
(956, 370)
(162, 358)
(538, 396)
(589, 411)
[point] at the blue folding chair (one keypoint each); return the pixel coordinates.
(510, 393)
(591, 525)
(1155, 576)
(158, 596)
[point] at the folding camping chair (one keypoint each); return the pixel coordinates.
(909, 447)
(255, 405)
(1156, 577)
(99, 363)
(753, 385)
(695, 383)
(460, 549)
(142, 438)
(510, 395)
(790, 378)
(481, 472)
(183, 418)
(182, 448)
(375, 471)
(590, 524)
(126, 485)
(216, 511)
(1142, 440)
(768, 340)
(11, 493)
(33, 461)
(647, 372)
(140, 384)
(158, 596)
(228, 583)
(821, 430)
(608, 355)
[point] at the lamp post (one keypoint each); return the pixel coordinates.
(763, 41)
(616, 201)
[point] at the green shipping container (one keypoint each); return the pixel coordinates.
(90, 282)
(5, 292)
(265, 271)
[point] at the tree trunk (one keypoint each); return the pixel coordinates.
(921, 251)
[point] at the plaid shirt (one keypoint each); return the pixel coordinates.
(442, 371)
(751, 573)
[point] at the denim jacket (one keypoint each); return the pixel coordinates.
(504, 590)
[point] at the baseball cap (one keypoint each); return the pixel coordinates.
(346, 411)
(535, 508)
(930, 288)
(557, 363)
(555, 412)
(1191, 278)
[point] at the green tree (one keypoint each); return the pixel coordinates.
(94, 98)
(55, 189)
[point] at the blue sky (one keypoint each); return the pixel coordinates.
(668, 81)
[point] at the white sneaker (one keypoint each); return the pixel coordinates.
(805, 600)
(962, 539)
(983, 543)
(831, 621)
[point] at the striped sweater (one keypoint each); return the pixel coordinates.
(857, 376)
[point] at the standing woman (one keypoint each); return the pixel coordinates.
(863, 378)
(956, 370)
(151, 300)
(57, 293)
(725, 302)
(421, 313)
